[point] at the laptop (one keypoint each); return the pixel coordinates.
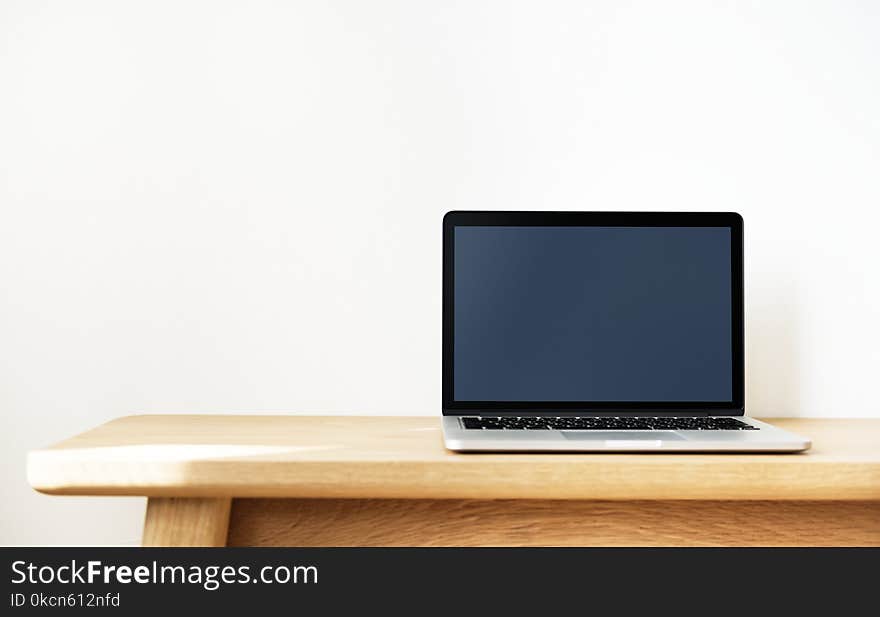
(597, 331)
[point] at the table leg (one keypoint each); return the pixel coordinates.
(185, 521)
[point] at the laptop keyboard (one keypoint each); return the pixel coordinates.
(608, 423)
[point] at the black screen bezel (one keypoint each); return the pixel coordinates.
(731, 220)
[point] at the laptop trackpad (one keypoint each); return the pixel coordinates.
(622, 435)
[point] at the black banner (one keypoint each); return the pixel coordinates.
(128, 581)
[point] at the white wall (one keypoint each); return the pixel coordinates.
(216, 207)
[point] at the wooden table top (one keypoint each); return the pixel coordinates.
(404, 457)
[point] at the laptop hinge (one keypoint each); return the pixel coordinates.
(689, 413)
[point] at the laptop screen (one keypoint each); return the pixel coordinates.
(600, 314)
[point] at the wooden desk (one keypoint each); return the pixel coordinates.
(349, 481)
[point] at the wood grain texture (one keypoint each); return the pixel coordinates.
(175, 521)
(404, 457)
(396, 522)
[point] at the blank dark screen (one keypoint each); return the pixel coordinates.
(637, 314)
